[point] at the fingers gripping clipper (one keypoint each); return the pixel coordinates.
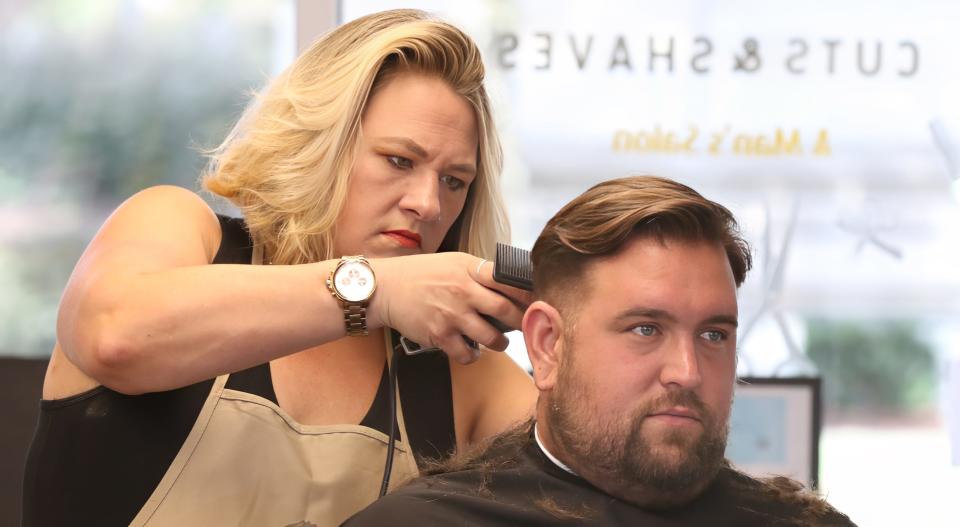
(511, 266)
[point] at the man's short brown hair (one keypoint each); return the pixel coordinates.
(599, 221)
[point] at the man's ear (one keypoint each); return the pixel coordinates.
(543, 334)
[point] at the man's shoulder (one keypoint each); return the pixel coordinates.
(413, 505)
(458, 499)
(516, 492)
(526, 490)
(781, 500)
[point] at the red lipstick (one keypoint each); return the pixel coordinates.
(405, 238)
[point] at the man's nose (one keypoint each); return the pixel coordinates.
(422, 197)
(681, 365)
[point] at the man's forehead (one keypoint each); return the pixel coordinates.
(648, 274)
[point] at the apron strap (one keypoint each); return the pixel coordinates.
(183, 456)
(407, 453)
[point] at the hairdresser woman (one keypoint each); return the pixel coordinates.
(189, 388)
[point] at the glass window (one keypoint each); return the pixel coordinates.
(100, 100)
(833, 133)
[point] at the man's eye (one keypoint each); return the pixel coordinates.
(400, 162)
(645, 330)
(452, 183)
(714, 335)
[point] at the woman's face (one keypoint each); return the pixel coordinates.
(416, 159)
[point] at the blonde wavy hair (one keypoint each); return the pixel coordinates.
(286, 163)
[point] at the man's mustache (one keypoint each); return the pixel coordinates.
(678, 398)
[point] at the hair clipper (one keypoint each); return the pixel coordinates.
(511, 266)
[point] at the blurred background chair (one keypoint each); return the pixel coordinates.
(21, 382)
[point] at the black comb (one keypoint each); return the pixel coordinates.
(511, 266)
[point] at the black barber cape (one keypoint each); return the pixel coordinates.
(529, 490)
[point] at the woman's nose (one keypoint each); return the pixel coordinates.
(422, 197)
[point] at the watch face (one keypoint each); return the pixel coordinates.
(354, 281)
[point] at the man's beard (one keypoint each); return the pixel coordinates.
(669, 470)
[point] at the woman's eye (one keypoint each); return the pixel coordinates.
(714, 335)
(645, 330)
(400, 162)
(452, 183)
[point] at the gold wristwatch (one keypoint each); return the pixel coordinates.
(352, 283)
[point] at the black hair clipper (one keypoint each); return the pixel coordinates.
(511, 266)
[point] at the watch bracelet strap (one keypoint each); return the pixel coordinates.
(355, 318)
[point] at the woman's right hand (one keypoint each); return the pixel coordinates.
(437, 299)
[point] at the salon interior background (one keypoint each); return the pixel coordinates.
(834, 136)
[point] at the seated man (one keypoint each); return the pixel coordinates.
(633, 347)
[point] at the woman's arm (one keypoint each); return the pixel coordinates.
(144, 311)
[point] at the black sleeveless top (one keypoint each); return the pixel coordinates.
(97, 456)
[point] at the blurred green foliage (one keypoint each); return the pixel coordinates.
(100, 100)
(876, 367)
(102, 113)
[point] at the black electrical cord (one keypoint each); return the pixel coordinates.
(392, 398)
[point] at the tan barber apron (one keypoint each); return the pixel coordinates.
(247, 462)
